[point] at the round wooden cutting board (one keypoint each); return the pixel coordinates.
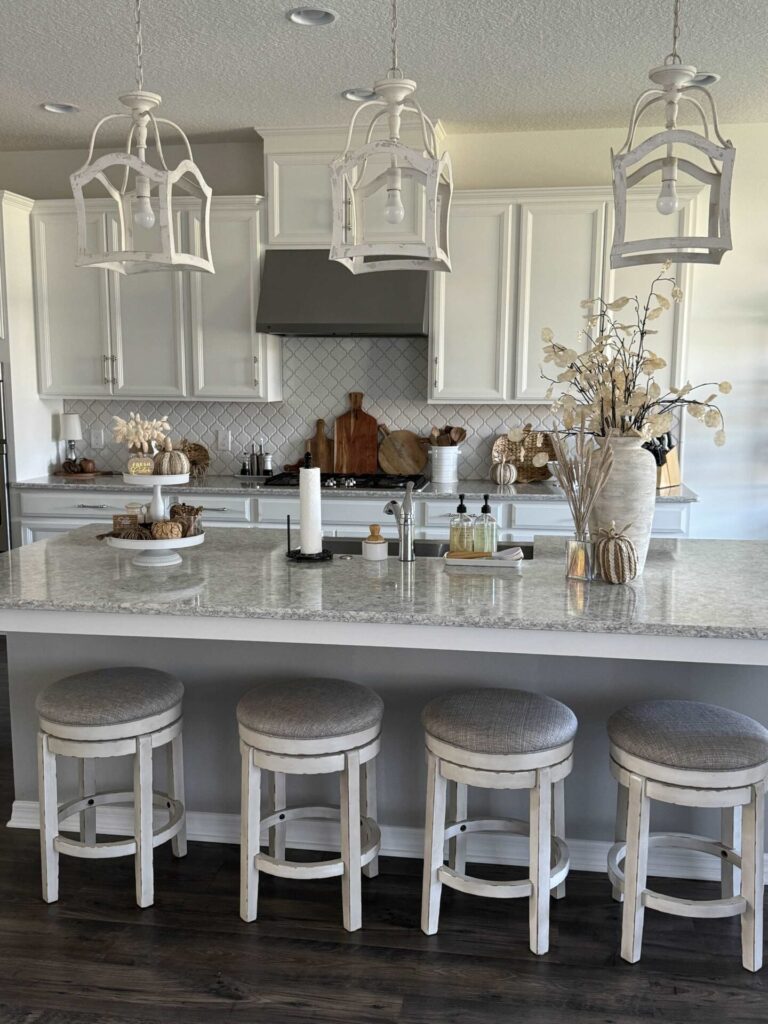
(402, 453)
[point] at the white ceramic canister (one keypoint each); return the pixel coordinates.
(445, 463)
(375, 547)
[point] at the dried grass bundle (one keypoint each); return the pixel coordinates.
(582, 473)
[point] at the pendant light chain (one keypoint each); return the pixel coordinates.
(674, 57)
(139, 46)
(395, 70)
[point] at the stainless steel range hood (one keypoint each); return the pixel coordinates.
(305, 293)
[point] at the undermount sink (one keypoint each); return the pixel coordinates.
(421, 548)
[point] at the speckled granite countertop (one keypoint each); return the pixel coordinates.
(691, 588)
(474, 490)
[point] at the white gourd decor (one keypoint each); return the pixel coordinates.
(170, 461)
(503, 472)
(616, 556)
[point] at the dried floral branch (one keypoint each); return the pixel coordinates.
(582, 471)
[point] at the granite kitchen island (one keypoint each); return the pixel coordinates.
(237, 612)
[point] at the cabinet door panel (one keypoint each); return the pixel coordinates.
(72, 308)
(644, 221)
(470, 334)
(299, 190)
(560, 263)
(148, 326)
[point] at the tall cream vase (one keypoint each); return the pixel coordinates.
(629, 495)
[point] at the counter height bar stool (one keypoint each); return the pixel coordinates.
(497, 739)
(695, 755)
(310, 727)
(111, 712)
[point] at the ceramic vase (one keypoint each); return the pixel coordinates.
(629, 496)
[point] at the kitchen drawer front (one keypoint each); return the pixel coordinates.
(438, 513)
(99, 505)
(216, 508)
(541, 515)
(353, 511)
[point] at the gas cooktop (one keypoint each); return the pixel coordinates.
(348, 481)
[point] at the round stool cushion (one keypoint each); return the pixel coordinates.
(688, 734)
(310, 709)
(496, 721)
(109, 696)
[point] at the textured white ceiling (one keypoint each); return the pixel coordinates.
(224, 66)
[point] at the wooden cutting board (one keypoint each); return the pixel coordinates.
(402, 453)
(320, 448)
(356, 439)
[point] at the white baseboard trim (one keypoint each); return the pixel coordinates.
(487, 848)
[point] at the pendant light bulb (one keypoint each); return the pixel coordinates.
(144, 217)
(394, 210)
(668, 201)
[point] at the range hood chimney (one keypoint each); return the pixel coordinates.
(305, 293)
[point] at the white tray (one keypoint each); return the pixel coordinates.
(154, 553)
(504, 565)
(156, 479)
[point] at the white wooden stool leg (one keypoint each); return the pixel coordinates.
(457, 811)
(350, 842)
(49, 818)
(540, 859)
(370, 809)
(434, 843)
(752, 881)
(276, 798)
(175, 769)
(87, 780)
(620, 828)
(558, 828)
(635, 869)
(142, 813)
(250, 824)
(730, 835)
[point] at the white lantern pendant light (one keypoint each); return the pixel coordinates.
(675, 83)
(145, 197)
(379, 168)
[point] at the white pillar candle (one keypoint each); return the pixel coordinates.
(311, 532)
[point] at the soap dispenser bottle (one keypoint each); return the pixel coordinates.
(485, 529)
(460, 538)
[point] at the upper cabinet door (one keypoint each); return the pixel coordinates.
(72, 307)
(230, 360)
(469, 356)
(560, 264)
(148, 325)
(645, 221)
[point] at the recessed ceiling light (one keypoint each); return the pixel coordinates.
(705, 78)
(60, 108)
(311, 17)
(358, 95)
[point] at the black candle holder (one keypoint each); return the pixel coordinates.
(297, 555)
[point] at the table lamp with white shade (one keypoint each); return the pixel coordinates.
(70, 430)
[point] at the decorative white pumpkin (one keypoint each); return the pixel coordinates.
(170, 461)
(616, 556)
(503, 473)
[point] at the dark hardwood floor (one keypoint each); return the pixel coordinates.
(94, 958)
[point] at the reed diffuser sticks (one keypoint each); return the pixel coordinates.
(582, 473)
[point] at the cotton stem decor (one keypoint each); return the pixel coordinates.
(582, 472)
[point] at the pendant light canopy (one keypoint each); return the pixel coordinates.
(146, 193)
(681, 149)
(376, 172)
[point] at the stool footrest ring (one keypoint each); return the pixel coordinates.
(501, 890)
(370, 842)
(118, 847)
(729, 906)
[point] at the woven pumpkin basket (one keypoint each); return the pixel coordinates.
(525, 454)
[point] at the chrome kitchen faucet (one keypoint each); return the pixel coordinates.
(404, 518)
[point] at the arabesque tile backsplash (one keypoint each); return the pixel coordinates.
(318, 373)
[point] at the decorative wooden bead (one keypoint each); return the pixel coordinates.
(167, 530)
(170, 461)
(616, 556)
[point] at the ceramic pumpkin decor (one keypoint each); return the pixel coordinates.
(616, 555)
(170, 461)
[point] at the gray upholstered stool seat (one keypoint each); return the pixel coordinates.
(109, 697)
(690, 735)
(497, 721)
(310, 709)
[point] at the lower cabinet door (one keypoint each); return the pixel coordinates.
(44, 529)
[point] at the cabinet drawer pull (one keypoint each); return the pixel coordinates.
(113, 360)
(214, 509)
(91, 506)
(107, 376)
(436, 382)
(256, 371)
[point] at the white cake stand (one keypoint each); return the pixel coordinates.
(155, 553)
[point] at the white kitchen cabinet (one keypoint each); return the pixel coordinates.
(74, 351)
(230, 359)
(164, 335)
(470, 335)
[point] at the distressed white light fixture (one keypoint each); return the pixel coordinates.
(145, 194)
(675, 82)
(357, 175)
